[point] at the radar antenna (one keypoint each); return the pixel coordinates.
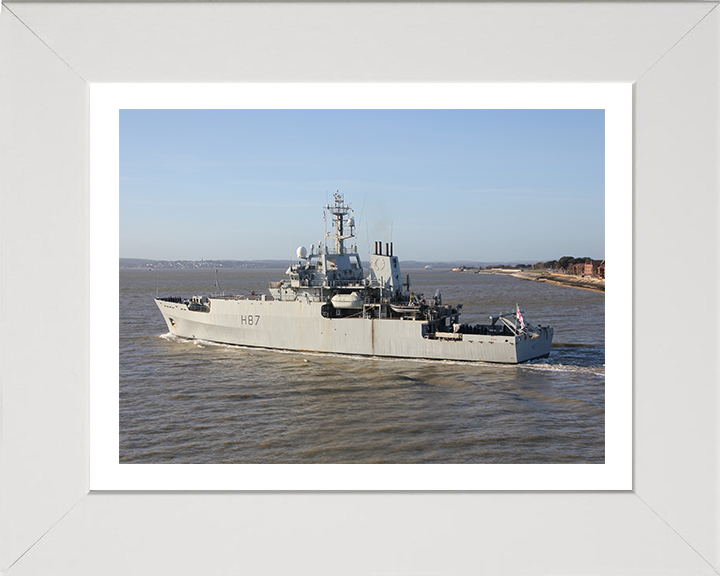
(340, 211)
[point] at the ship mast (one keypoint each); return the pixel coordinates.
(340, 210)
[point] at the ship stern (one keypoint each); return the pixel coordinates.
(528, 348)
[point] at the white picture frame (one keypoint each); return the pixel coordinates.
(50, 52)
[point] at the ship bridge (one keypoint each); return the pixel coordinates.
(325, 269)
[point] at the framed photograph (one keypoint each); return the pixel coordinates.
(586, 129)
(62, 513)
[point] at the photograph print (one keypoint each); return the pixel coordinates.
(362, 286)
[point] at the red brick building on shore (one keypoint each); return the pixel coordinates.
(590, 268)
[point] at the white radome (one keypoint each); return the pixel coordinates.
(301, 252)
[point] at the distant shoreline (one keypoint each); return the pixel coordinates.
(583, 283)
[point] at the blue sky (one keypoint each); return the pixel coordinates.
(479, 185)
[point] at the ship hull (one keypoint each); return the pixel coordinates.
(300, 326)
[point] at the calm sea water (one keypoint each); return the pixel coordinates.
(196, 402)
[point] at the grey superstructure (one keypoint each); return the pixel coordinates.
(329, 303)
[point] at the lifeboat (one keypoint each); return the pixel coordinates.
(351, 301)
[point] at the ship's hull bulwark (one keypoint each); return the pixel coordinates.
(300, 326)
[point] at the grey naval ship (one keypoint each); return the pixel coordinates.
(330, 303)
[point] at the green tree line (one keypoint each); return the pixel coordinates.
(564, 262)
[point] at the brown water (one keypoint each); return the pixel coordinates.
(195, 402)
